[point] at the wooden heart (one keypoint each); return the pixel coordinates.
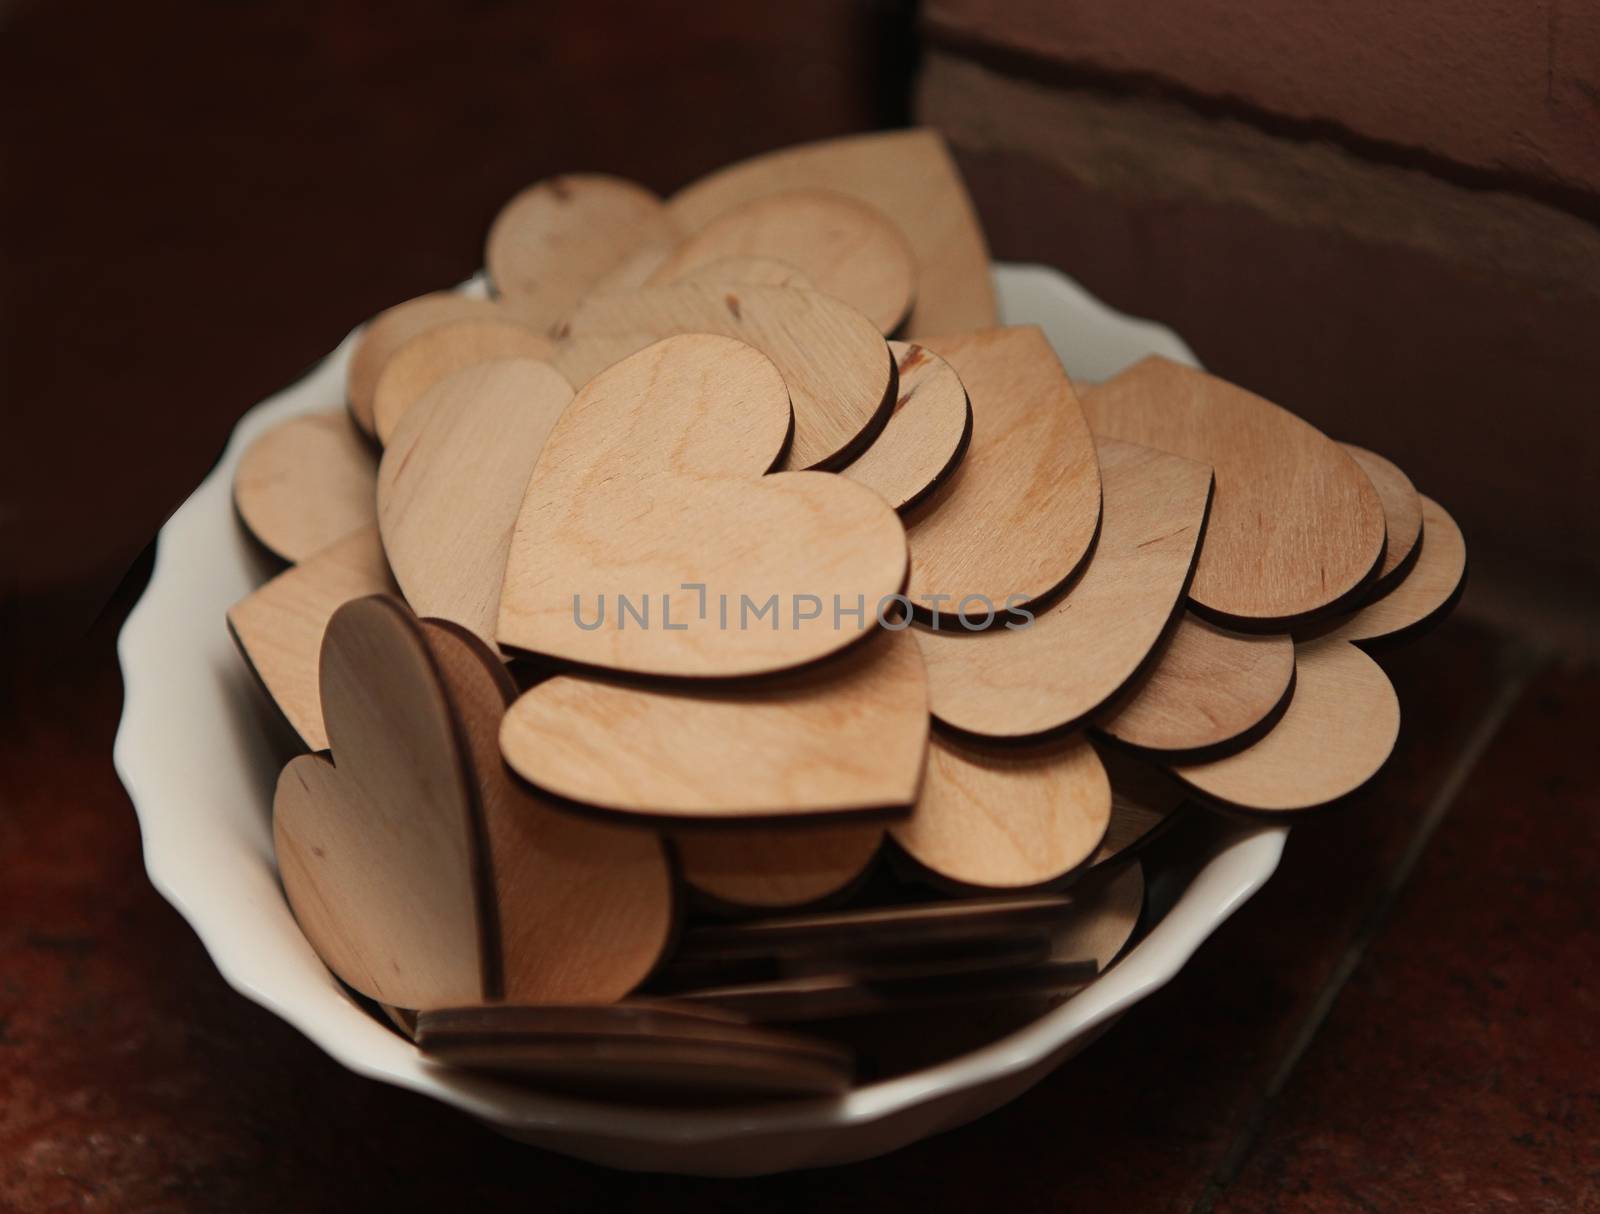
(1295, 524)
(1402, 513)
(835, 363)
(452, 481)
(552, 243)
(1007, 817)
(279, 626)
(389, 330)
(1016, 519)
(379, 855)
(846, 248)
(907, 175)
(926, 435)
(843, 738)
(1338, 730)
(645, 539)
(1203, 686)
(441, 351)
(305, 483)
(585, 909)
(1025, 680)
(776, 866)
(1425, 592)
(751, 271)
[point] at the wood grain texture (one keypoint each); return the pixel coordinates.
(1105, 911)
(751, 271)
(1425, 591)
(835, 363)
(1077, 652)
(776, 866)
(552, 243)
(649, 489)
(1007, 818)
(452, 481)
(1017, 517)
(846, 737)
(389, 330)
(1295, 524)
(907, 175)
(279, 626)
(1337, 732)
(584, 909)
(307, 482)
(432, 355)
(926, 434)
(378, 855)
(1402, 511)
(1144, 796)
(848, 249)
(1203, 686)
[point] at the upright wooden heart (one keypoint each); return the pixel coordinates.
(1016, 519)
(834, 361)
(846, 737)
(927, 433)
(1015, 682)
(645, 542)
(452, 482)
(379, 855)
(389, 330)
(907, 175)
(307, 482)
(440, 351)
(1295, 524)
(846, 248)
(585, 908)
(1402, 513)
(552, 243)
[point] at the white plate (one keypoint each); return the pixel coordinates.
(198, 751)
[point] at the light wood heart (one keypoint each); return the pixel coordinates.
(847, 248)
(1295, 524)
(585, 908)
(835, 363)
(1425, 591)
(843, 738)
(776, 866)
(1402, 512)
(279, 626)
(1203, 686)
(1016, 519)
(1021, 681)
(379, 855)
(452, 482)
(907, 175)
(926, 435)
(389, 330)
(307, 482)
(556, 240)
(646, 539)
(440, 351)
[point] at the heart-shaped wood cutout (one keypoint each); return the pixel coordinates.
(555, 241)
(441, 351)
(776, 866)
(1295, 524)
(835, 363)
(907, 175)
(1046, 674)
(1016, 519)
(279, 626)
(393, 328)
(452, 481)
(585, 908)
(645, 540)
(1402, 513)
(379, 855)
(846, 248)
(1203, 686)
(844, 738)
(1007, 817)
(927, 433)
(305, 483)
(1423, 594)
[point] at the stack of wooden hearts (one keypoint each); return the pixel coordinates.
(727, 633)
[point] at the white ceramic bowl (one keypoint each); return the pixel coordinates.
(199, 751)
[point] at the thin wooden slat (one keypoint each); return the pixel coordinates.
(307, 482)
(441, 351)
(1295, 524)
(452, 482)
(1021, 681)
(926, 435)
(279, 626)
(911, 178)
(389, 330)
(1402, 511)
